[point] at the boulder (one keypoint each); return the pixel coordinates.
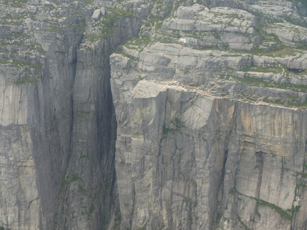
(96, 14)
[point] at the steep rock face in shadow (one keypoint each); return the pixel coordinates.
(77, 183)
(91, 192)
(58, 122)
(52, 123)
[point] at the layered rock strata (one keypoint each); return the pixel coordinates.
(204, 128)
(211, 138)
(188, 160)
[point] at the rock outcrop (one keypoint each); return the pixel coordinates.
(57, 122)
(211, 138)
(196, 122)
(222, 26)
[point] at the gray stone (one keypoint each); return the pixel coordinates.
(182, 128)
(96, 14)
(235, 27)
(102, 11)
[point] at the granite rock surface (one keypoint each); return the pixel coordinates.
(209, 135)
(197, 121)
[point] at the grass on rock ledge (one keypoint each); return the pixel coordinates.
(108, 23)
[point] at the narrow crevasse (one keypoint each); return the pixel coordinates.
(90, 191)
(58, 124)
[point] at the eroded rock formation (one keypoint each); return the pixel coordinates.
(196, 122)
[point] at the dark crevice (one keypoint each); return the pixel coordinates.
(224, 167)
(57, 215)
(259, 171)
(296, 71)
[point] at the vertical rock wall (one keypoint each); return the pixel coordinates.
(186, 160)
(89, 199)
(58, 126)
(51, 122)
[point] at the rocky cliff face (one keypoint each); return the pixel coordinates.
(58, 124)
(204, 127)
(205, 138)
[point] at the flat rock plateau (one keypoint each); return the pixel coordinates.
(153, 115)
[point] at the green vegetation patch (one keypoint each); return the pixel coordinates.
(279, 210)
(15, 3)
(15, 17)
(88, 1)
(95, 37)
(304, 3)
(91, 210)
(242, 223)
(119, 50)
(178, 3)
(117, 222)
(120, 12)
(17, 63)
(233, 191)
(176, 127)
(304, 175)
(251, 80)
(3, 62)
(108, 23)
(55, 29)
(2, 228)
(139, 41)
(264, 70)
(295, 21)
(216, 221)
(84, 156)
(26, 80)
(289, 103)
(64, 184)
(75, 178)
(283, 51)
(81, 189)
(260, 202)
(82, 114)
